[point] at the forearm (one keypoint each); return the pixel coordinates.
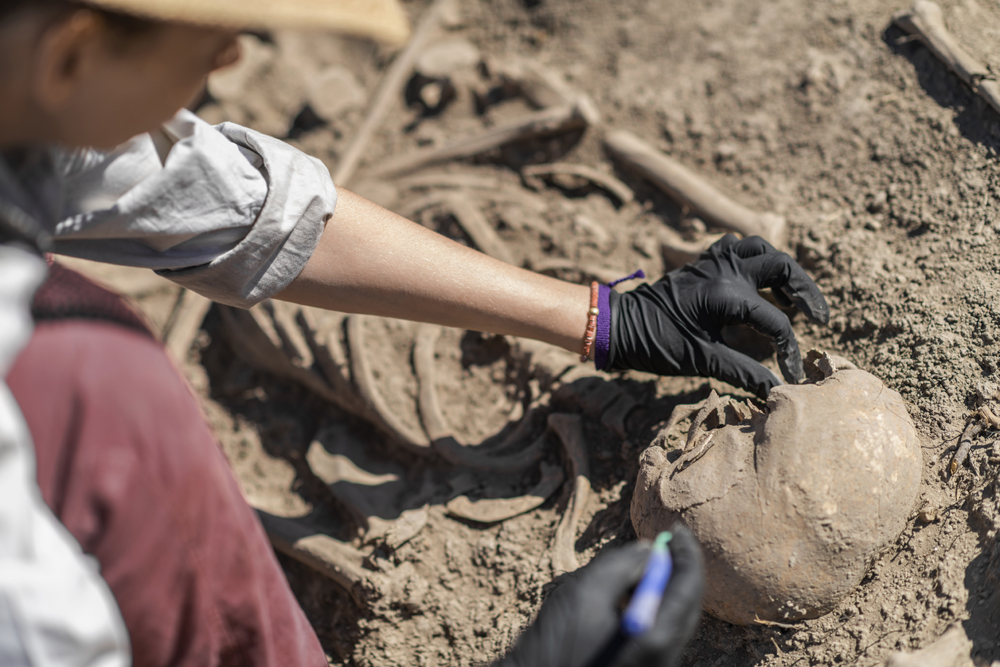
(372, 261)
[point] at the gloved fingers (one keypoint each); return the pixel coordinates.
(764, 318)
(752, 246)
(739, 370)
(782, 298)
(681, 607)
(722, 245)
(609, 576)
(779, 271)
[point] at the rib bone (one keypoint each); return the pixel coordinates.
(493, 510)
(442, 437)
(569, 428)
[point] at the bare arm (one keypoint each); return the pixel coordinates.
(372, 261)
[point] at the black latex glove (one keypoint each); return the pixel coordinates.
(580, 624)
(674, 326)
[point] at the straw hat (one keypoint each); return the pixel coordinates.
(383, 20)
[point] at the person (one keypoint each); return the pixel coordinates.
(99, 160)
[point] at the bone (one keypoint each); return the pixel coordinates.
(542, 87)
(332, 558)
(495, 510)
(677, 251)
(711, 404)
(569, 428)
(547, 122)
(973, 429)
(394, 534)
(926, 22)
(254, 338)
(389, 90)
(364, 379)
(788, 530)
(442, 437)
(479, 229)
(182, 328)
(604, 181)
(691, 190)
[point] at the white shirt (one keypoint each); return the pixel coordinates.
(224, 211)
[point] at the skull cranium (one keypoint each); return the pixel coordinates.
(790, 506)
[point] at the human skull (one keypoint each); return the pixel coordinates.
(790, 506)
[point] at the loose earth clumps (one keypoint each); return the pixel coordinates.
(790, 505)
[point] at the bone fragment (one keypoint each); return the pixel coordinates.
(691, 190)
(569, 428)
(394, 534)
(185, 322)
(965, 445)
(711, 404)
(479, 229)
(677, 251)
(321, 331)
(926, 21)
(604, 181)
(364, 379)
(254, 339)
(441, 435)
(557, 120)
(389, 90)
(340, 562)
(493, 510)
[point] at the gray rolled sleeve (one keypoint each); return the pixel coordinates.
(300, 200)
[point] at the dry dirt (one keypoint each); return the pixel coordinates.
(886, 167)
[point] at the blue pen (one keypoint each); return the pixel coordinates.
(640, 615)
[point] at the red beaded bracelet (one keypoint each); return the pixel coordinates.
(588, 338)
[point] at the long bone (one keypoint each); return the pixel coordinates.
(925, 21)
(569, 428)
(547, 122)
(691, 190)
(340, 562)
(389, 90)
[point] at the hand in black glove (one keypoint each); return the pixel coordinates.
(580, 624)
(673, 327)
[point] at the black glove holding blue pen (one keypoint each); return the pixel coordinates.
(580, 625)
(674, 326)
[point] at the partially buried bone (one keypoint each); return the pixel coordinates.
(926, 22)
(569, 428)
(441, 435)
(556, 120)
(604, 181)
(692, 190)
(364, 379)
(792, 505)
(493, 510)
(339, 561)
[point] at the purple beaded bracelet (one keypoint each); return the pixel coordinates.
(602, 341)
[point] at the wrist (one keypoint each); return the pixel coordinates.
(602, 341)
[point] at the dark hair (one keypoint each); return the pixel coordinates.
(124, 24)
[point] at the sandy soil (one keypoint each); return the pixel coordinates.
(886, 167)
